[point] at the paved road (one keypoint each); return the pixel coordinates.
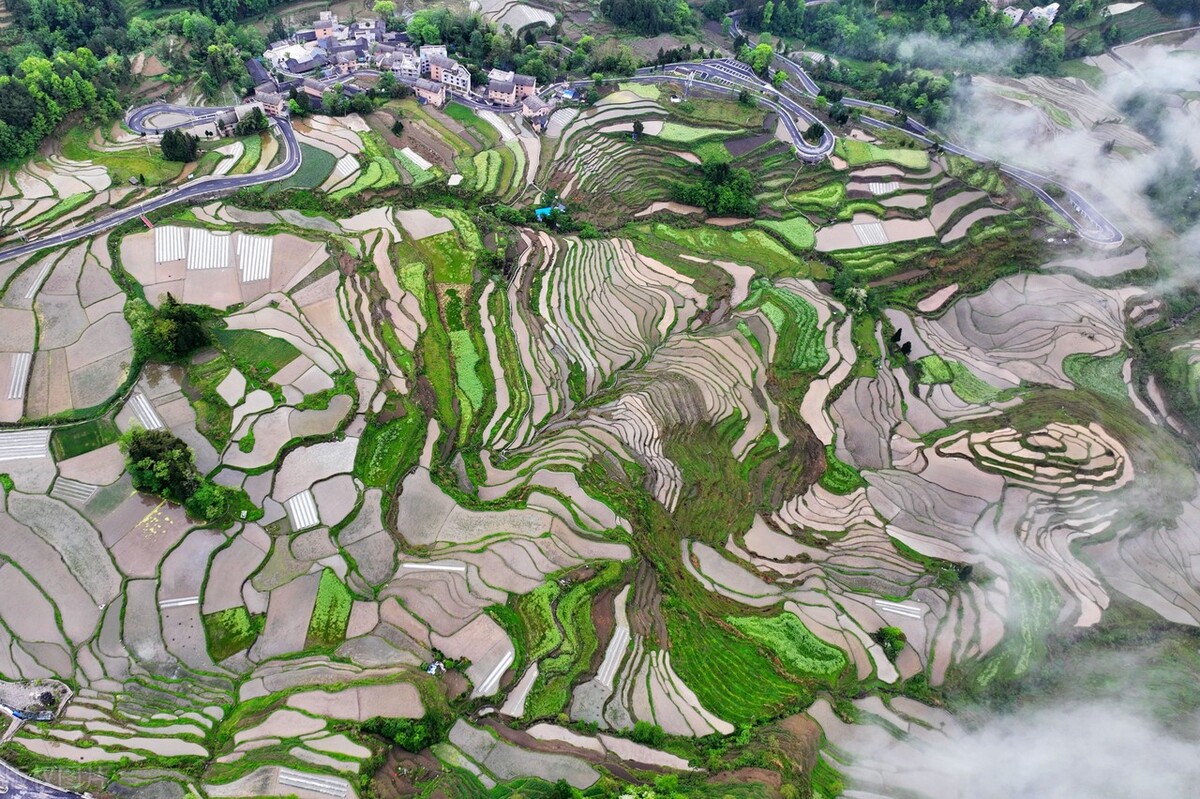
(200, 188)
(15, 785)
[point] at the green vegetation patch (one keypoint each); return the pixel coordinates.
(798, 232)
(386, 452)
(801, 343)
(1101, 374)
(420, 176)
(572, 652)
(451, 261)
(712, 152)
(750, 247)
(839, 477)
(214, 417)
(60, 209)
(67, 442)
(466, 359)
(251, 153)
(331, 613)
(231, 631)
(729, 674)
(686, 134)
(647, 90)
(797, 647)
(858, 153)
(826, 198)
(487, 170)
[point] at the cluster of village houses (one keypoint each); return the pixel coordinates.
(330, 49)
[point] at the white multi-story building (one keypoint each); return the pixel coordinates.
(448, 71)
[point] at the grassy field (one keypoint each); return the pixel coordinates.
(265, 354)
(799, 649)
(564, 663)
(420, 176)
(487, 171)
(331, 613)
(858, 153)
(230, 631)
(712, 152)
(314, 169)
(798, 232)
(728, 673)
(647, 90)
(123, 165)
(487, 134)
(466, 359)
(723, 112)
(67, 442)
(450, 259)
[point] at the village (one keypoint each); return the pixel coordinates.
(330, 53)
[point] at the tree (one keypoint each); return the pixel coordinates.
(160, 463)
(254, 122)
(814, 132)
(168, 333)
(644, 732)
(839, 113)
(779, 78)
(397, 126)
(278, 32)
(891, 640)
(385, 8)
(638, 127)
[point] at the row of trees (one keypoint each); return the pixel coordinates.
(178, 145)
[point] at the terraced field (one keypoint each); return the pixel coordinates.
(481, 501)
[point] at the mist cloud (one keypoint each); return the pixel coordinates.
(934, 52)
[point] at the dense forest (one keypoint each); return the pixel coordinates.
(649, 17)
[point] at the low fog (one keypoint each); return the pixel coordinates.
(1094, 751)
(1145, 99)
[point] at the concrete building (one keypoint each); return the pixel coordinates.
(273, 103)
(503, 92)
(279, 56)
(450, 72)
(431, 92)
(536, 111)
(428, 51)
(325, 25)
(500, 74)
(526, 86)
(1014, 14)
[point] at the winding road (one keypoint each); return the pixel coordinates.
(200, 188)
(722, 74)
(1091, 225)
